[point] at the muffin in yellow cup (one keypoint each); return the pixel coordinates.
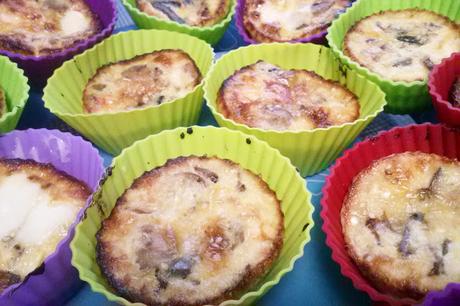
(114, 131)
(309, 150)
(246, 151)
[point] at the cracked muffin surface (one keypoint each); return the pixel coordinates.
(145, 80)
(402, 45)
(286, 20)
(400, 222)
(38, 204)
(200, 13)
(266, 96)
(195, 231)
(44, 27)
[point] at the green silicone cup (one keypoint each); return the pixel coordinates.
(14, 84)
(249, 152)
(402, 97)
(115, 131)
(210, 34)
(311, 150)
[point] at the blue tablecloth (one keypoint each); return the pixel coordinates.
(316, 279)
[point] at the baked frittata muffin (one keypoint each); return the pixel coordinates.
(37, 206)
(402, 45)
(196, 231)
(265, 96)
(200, 13)
(43, 27)
(145, 80)
(286, 20)
(455, 93)
(400, 222)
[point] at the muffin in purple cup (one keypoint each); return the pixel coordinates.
(260, 21)
(47, 162)
(40, 35)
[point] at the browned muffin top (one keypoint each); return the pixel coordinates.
(43, 27)
(38, 204)
(195, 231)
(285, 20)
(200, 13)
(400, 223)
(265, 96)
(145, 80)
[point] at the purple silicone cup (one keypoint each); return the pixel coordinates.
(319, 38)
(450, 296)
(55, 281)
(39, 68)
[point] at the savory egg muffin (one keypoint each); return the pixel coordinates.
(402, 45)
(400, 223)
(38, 204)
(286, 20)
(43, 27)
(145, 80)
(265, 96)
(196, 231)
(200, 13)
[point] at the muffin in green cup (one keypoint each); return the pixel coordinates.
(114, 131)
(210, 33)
(309, 150)
(247, 151)
(14, 92)
(402, 97)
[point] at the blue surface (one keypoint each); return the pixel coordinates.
(316, 279)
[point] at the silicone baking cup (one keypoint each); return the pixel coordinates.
(14, 84)
(152, 152)
(319, 38)
(40, 68)
(428, 138)
(448, 297)
(440, 83)
(211, 34)
(115, 131)
(310, 150)
(55, 280)
(402, 97)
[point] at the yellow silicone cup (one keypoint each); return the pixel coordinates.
(402, 97)
(16, 90)
(115, 131)
(211, 34)
(311, 150)
(152, 152)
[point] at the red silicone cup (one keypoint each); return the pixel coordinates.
(439, 84)
(428, 138)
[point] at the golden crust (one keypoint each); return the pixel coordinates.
(269, 21)
(19, 258)
(219, 242)
(145, 80)
(45, 27)
(401, 45)
(59, 184)
(397, 223)
(265, 96)
(202, 13)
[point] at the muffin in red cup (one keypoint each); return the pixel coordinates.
(414, 156)
(444, 88)
(40, 35)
